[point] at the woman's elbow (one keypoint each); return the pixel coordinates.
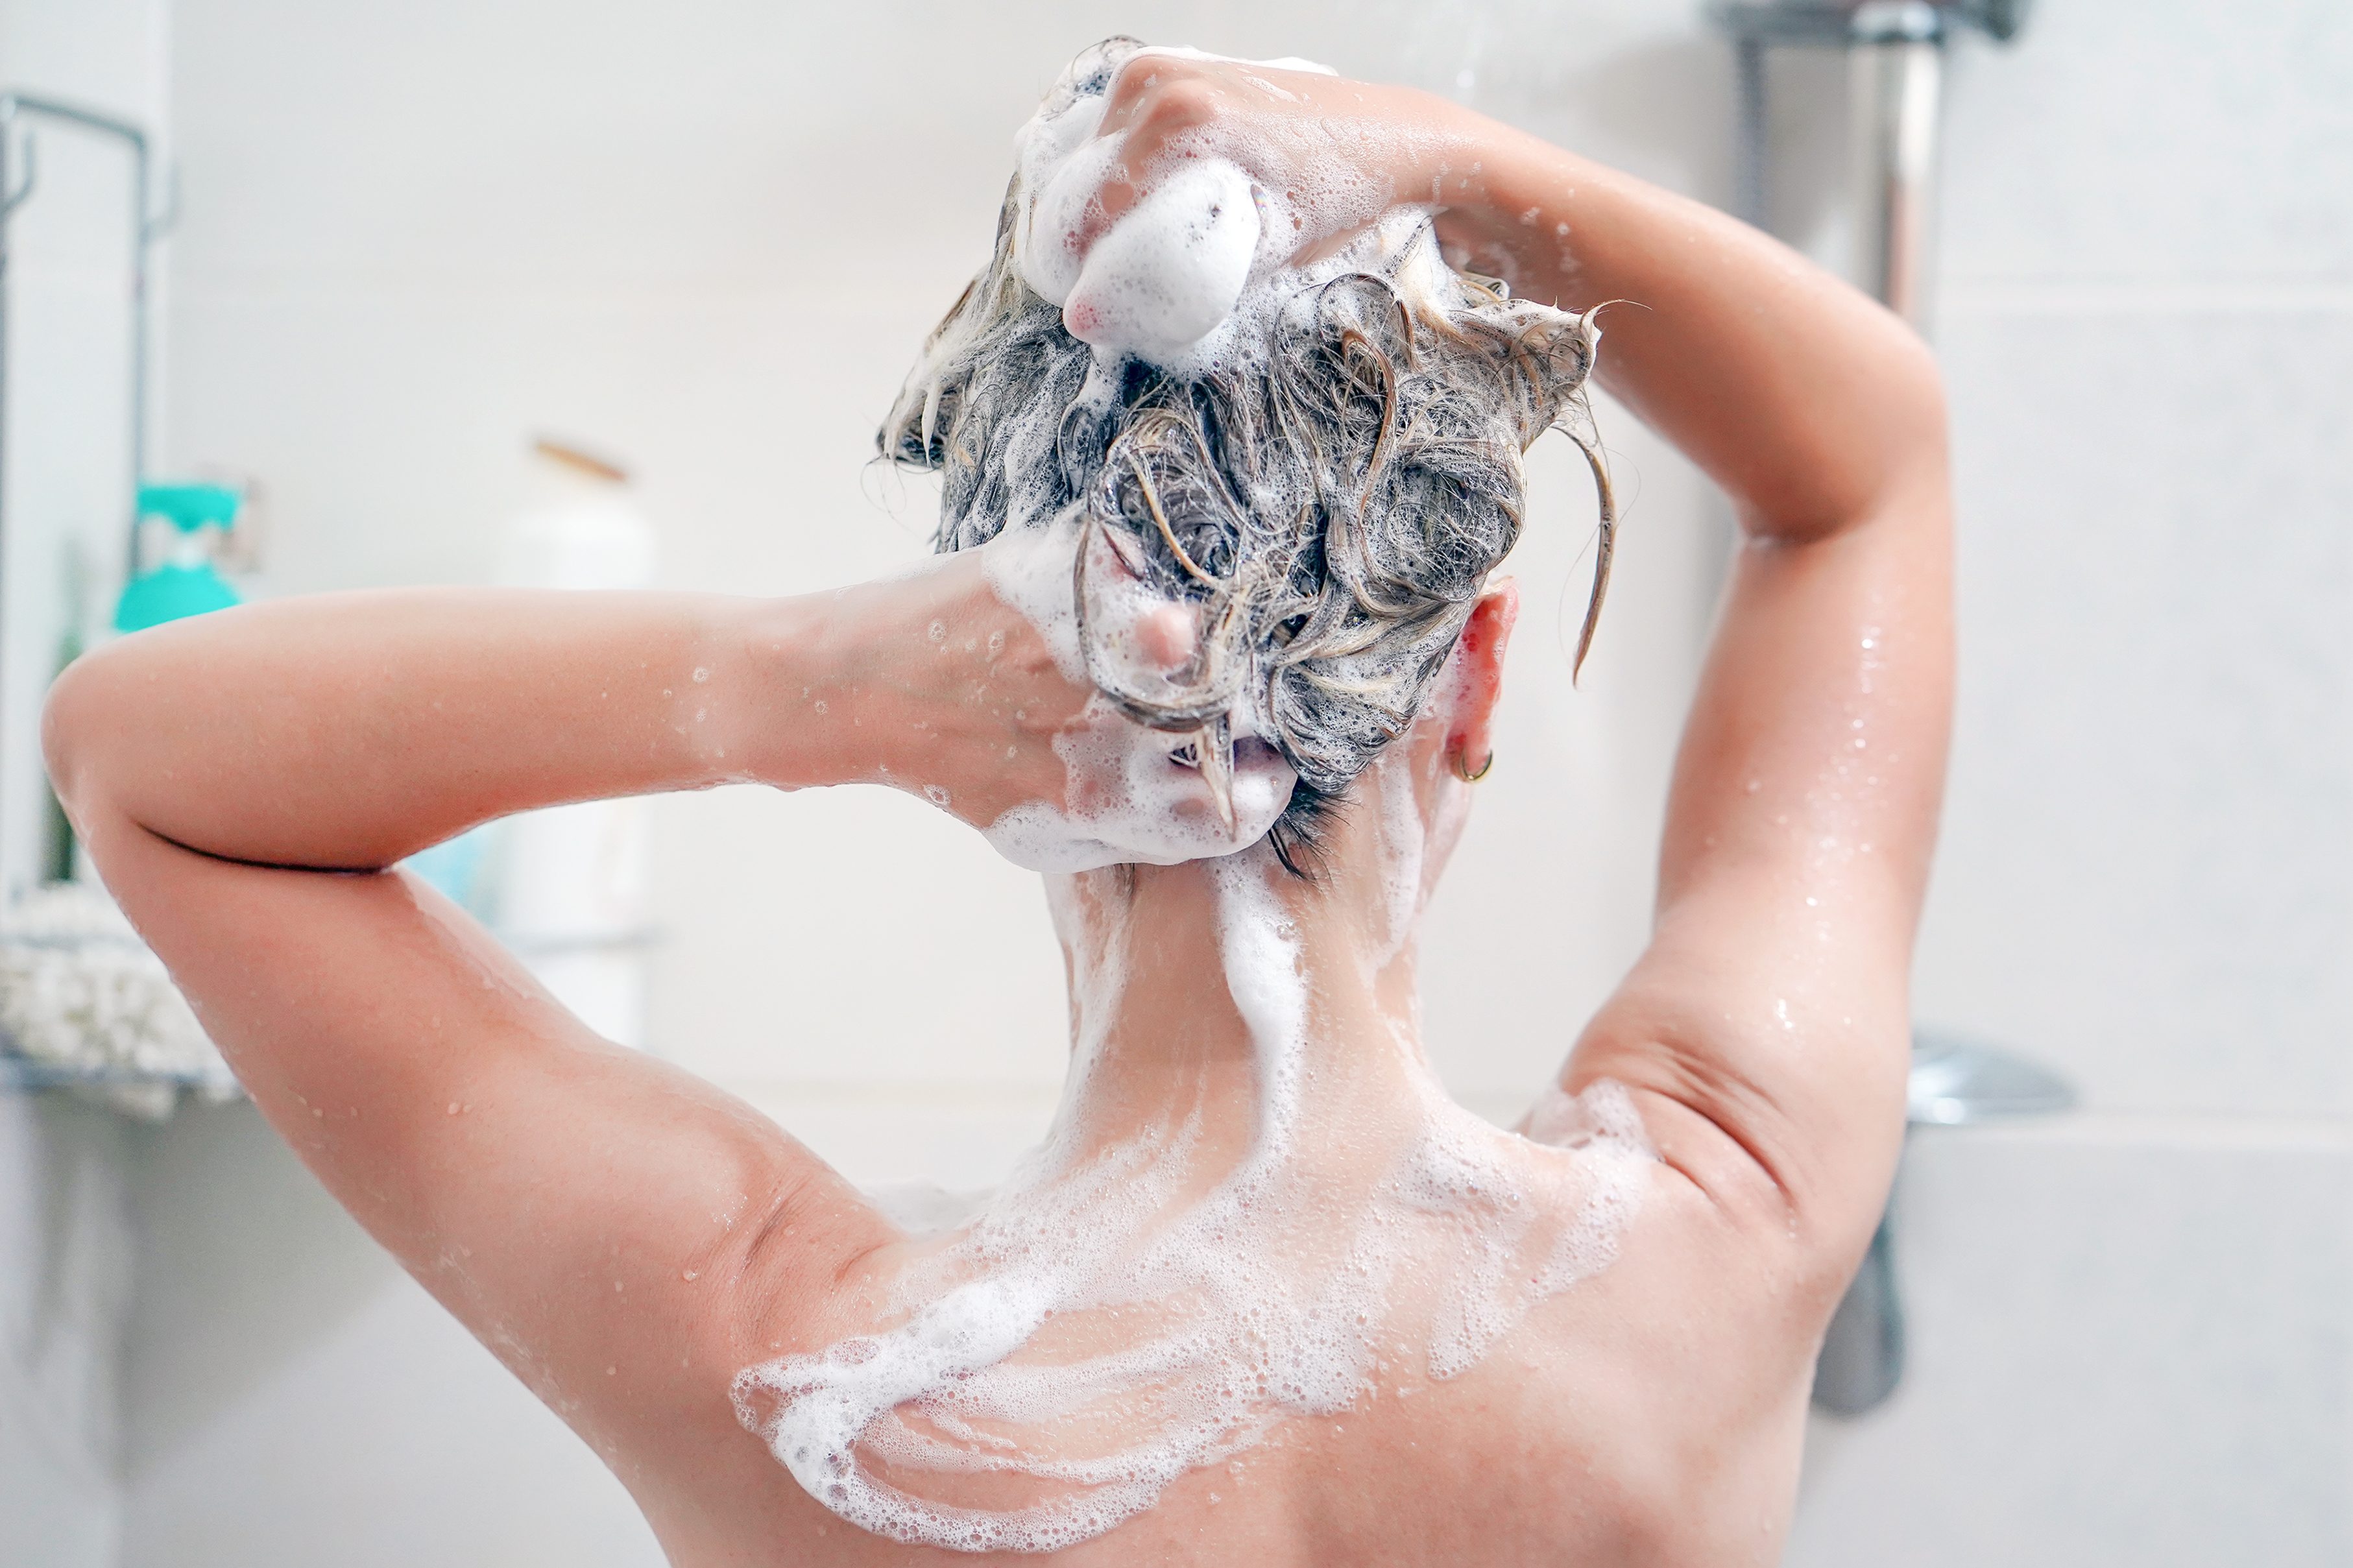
(75, 719)
(1919, 422)
(1875, 447)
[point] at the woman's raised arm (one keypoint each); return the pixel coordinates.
(1773, 1000)
(242, 782)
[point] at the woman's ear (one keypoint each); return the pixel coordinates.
(1478, 676)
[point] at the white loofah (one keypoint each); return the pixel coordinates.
(81, 995)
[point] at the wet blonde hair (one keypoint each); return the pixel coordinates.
(1332, 495)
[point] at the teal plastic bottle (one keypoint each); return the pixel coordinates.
(186, 583)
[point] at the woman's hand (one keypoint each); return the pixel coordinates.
(962, 682)
(1330, 154)
(927, 681)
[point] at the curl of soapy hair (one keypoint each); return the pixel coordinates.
(1331, 494)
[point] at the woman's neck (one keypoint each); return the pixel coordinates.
(1255, 1204)
(1265, 1004)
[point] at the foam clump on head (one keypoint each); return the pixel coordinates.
(1323, 460)
(1128, 298)
(1166, 275)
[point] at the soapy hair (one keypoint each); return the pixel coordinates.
(1331, 494)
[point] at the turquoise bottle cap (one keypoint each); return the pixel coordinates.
(190, 507)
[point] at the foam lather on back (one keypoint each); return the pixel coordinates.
(1125, 1311)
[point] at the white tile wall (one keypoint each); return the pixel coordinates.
(65, 1293)
(2130, 1347)
(2206, 149)
(2144, 871)
(2130, 1328)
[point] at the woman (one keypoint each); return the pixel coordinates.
(1265, 1297)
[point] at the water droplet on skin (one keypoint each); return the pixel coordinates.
(820, 704)
(455, 1108)
(936, 794)
(937, 631)
(701, 675)
(690, 1275)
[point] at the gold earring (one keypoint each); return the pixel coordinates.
(1462, 770)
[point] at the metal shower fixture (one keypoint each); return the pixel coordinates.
(147, 227)
(1897, 52)
(1835, 21)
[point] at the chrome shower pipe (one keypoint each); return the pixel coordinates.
(1896, 65)
(1895, 59)
(146, 227)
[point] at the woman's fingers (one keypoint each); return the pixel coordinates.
(1168, 108)
(1166, 636)
(1154, 100)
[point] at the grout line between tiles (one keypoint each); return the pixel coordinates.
(2093, 298)
(2123, 1129)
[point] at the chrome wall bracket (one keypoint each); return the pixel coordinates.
(1895, 50)
(1954, 1083)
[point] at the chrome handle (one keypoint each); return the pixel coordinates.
(1954, 1083)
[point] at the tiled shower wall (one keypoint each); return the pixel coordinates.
(2133, 1328)
(418, 235)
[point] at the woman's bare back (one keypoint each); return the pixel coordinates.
(1646, 1416)
(1567, 1440)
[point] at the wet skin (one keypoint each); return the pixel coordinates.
(626, 1237)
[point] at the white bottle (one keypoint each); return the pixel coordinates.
(570, 888)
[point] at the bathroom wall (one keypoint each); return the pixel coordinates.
(66, 1237)
(65, 1257)
(708, 237)
(2133, 1329)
